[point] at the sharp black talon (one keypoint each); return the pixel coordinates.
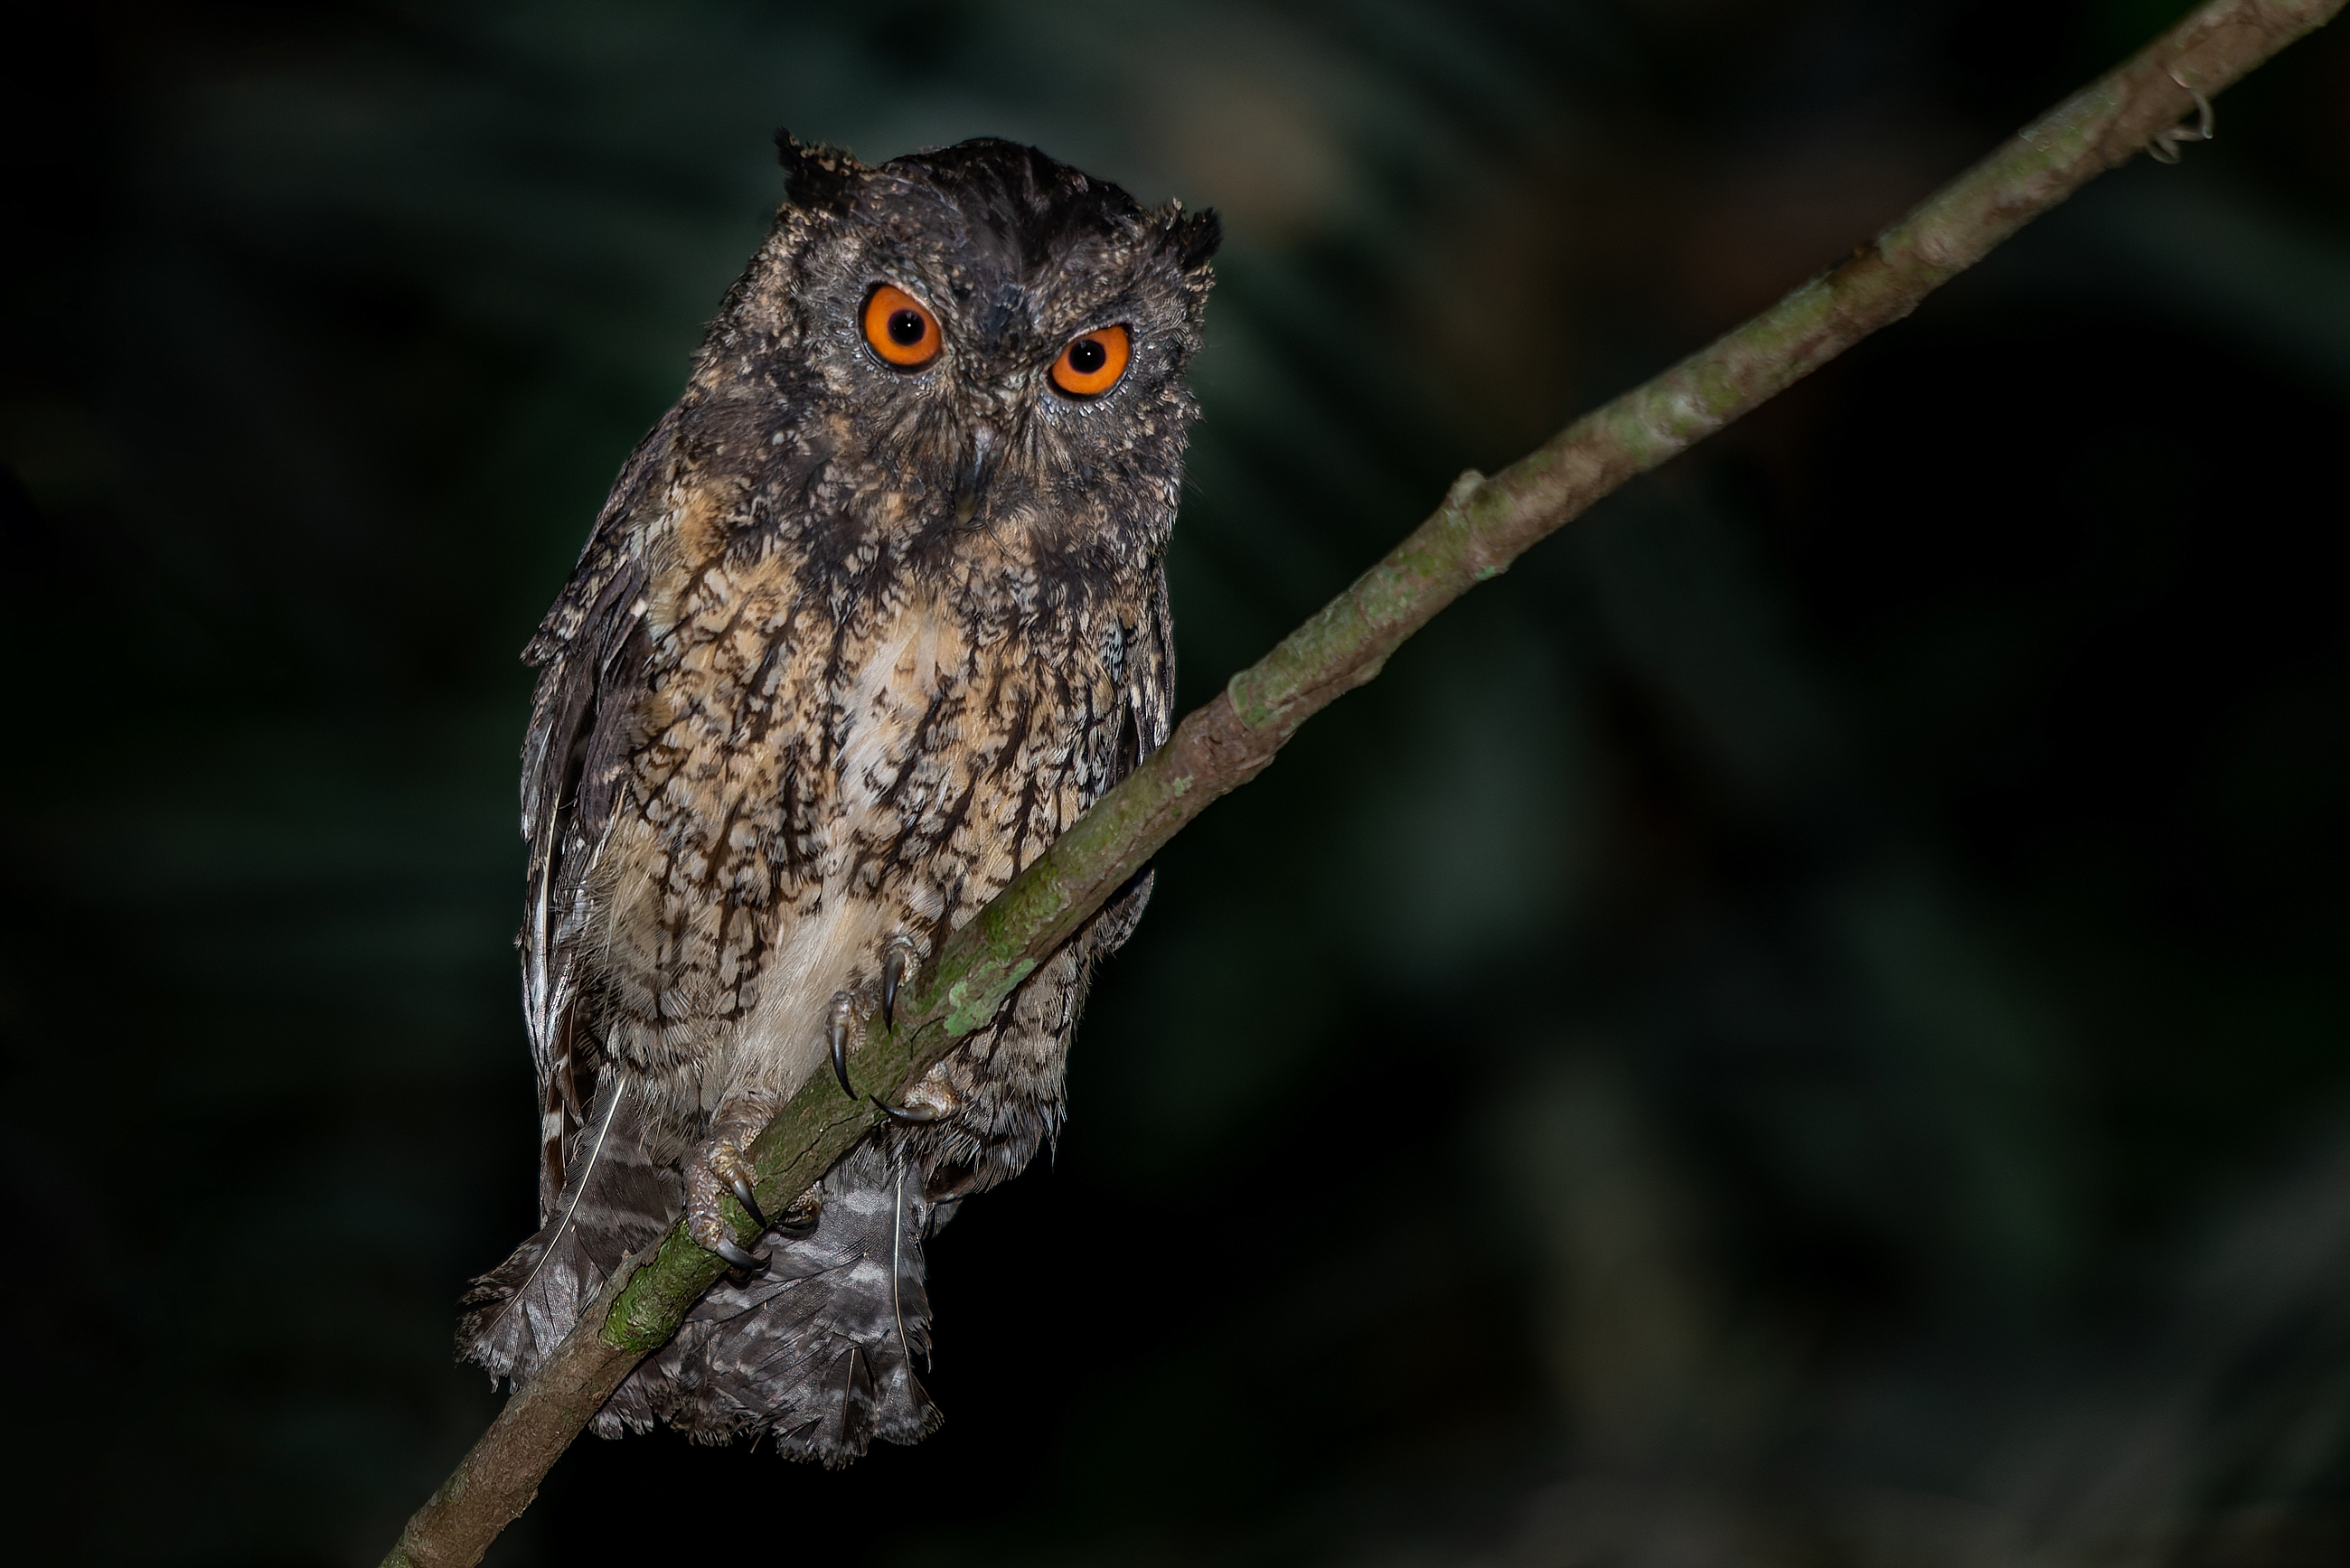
(748, 1262)
(750, 1204)
(907, 1116)
(893, 974)
(798, 1224)
(840, 1057)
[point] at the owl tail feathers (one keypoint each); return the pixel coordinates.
(817, 1351)
(617, 1199)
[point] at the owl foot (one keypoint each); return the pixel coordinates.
(717, 1171)
(907, 1116)
(851, 1008)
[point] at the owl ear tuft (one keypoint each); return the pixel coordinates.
(816, 177)
(1192, 238)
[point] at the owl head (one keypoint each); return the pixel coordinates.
(974, 348)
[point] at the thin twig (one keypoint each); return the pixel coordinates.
(1483, 526)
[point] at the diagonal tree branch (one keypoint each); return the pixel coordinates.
(1483, 526)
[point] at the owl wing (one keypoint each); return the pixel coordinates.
(591, 651)
(600, 1194)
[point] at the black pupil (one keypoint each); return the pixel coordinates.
(906, 328)
(1087, 354)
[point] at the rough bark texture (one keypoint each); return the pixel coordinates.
(1483, 526)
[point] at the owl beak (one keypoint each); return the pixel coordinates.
(977, 472)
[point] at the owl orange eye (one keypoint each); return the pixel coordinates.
(1093, 362)
(898, 328)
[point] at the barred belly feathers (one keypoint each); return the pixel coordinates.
(870, 619)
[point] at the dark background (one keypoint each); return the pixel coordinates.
(1806, 1024)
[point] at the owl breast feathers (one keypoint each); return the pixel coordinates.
(873, 613)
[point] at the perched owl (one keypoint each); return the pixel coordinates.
(870, 619)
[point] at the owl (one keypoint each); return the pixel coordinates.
(873, 613)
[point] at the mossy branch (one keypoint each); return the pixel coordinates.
(1481, 528)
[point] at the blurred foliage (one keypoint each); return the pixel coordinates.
(1805, 1024)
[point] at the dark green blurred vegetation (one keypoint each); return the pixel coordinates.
(1806, 1025)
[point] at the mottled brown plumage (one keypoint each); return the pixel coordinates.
(849, 644)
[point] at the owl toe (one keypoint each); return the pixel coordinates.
(740, 1187)
(748, 1262)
